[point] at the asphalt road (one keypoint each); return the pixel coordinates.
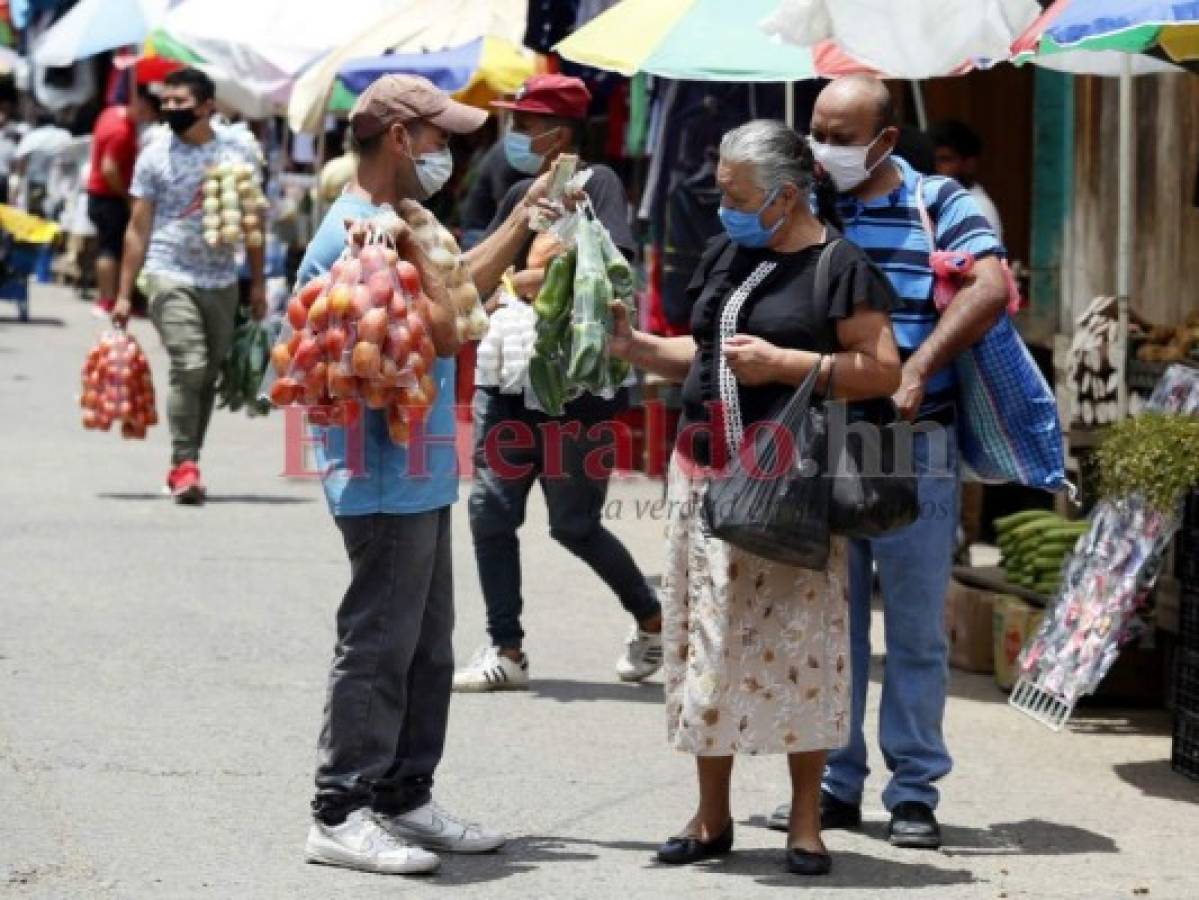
(162, 674)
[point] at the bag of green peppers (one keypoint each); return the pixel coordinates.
(243, 369)
(590, 317)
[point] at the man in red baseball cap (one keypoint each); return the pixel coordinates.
(548, 114)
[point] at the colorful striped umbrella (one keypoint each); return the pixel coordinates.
(1159, 29)
(707, 40)
(1090, 35)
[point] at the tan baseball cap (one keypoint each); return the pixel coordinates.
(403, 98)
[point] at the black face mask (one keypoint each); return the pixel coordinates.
(180, 120)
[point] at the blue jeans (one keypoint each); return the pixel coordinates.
(914, 566)
(574, 497)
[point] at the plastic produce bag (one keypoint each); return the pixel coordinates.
(359, 335)
(116, 386)
(591, 314)
(243, 369)
(445, 253)
(773, 500)
(504, 352)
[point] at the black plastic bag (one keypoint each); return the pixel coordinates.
(773, 499)
(874, 487)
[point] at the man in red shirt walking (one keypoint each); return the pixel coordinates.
(114, 151)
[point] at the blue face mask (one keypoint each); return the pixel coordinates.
(518, 148)
(746, 228)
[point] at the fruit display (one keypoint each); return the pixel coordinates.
(359, 335)
(234, 205)
(574, 318)
(1034, 545)
(243, 370)
(117, 387)
(443, 252)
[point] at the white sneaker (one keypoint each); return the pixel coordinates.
(489, 670)
(433, 828)
(642, 656)
(361, 842)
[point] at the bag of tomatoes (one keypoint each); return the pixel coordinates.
(359, 335)
(117, 387)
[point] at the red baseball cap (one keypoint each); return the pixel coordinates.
(550, 95)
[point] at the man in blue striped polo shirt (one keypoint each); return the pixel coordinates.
(853, 135)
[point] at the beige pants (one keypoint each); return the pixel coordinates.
(196, 327)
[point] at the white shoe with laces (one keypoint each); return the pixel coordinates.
(490, 670)
(361, 842)
(434, 828)
(642, 655)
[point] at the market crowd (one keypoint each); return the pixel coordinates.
(818, 284)
(819, 281)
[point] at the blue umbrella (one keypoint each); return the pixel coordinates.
(450, 70)
(93, 26)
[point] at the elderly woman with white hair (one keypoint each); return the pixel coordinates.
(757, 651)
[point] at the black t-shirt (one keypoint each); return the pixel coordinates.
(492, 180)
(782, 310)
(607, 194)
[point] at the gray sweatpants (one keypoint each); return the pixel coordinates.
(393, 668)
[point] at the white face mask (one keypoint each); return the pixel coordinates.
(845, 165)
(433, 170)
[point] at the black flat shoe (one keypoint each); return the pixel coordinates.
(914, 826)
(681, 851)
(805, 862)
(836, 813)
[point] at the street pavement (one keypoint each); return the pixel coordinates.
(162, 674)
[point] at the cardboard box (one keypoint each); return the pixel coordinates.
(969, 614)
(1015, 621)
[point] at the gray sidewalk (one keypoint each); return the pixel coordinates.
(162, 675)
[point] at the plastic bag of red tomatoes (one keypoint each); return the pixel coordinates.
(359, 336)
(117, 387)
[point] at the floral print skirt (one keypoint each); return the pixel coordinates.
(757, 653)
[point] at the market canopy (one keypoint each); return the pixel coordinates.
(907, 38)
(475, 73)
(761, 40)
(261, 47)
(419, 26)
(94, 26)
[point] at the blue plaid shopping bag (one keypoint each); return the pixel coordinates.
(1008, 426)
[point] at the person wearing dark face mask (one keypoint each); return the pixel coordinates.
(192, 286)
(547, 118)
(853, 136)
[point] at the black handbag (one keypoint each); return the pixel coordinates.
(797, 480)
(874, 487)
(772, 500)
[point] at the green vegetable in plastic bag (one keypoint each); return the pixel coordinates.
(243, 369)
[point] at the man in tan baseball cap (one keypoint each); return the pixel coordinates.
(388, 696)
(400, 128)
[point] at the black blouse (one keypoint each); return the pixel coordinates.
(782, 310)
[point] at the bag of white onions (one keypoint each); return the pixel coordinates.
(444, 253)
(234, 205)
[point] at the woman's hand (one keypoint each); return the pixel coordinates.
(620, 341)
(752, 360)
